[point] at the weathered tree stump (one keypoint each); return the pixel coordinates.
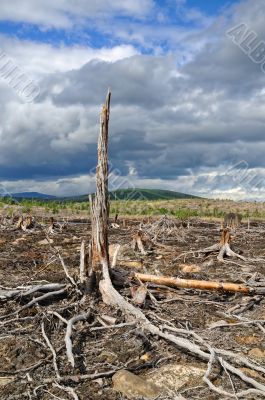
(137, 242)
(25, 223)
(51, 226)
(225, 249)
(232, 220)
(99, 205)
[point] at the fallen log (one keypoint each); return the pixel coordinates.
(201, 285)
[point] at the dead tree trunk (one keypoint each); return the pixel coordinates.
(99, 205)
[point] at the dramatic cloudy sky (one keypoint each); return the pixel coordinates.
(188, 105)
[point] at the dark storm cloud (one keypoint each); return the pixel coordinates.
(165, 119)
(134, 81)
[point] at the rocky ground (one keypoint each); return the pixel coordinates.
(229, 321)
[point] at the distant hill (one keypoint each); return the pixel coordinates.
(120, 194)
(33, 195)
(139, 194)
(148, 194)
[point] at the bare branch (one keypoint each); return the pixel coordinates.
(67, 339)
(55, 366)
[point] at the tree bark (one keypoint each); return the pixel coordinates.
(99, 205)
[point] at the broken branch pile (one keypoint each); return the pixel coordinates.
(164, 229)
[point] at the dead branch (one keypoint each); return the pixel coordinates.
(83, 266)
(115, 256)
(67, 339)
(24, 291)
(77, 378)
(52, 351)
(67, 389)
(117, 326)
(37, 300)
(66, 271)
(58, 316)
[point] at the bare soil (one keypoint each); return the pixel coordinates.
(26, 361)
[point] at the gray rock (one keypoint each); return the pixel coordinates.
(134, 386)
(45, 242)
(172, 377)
